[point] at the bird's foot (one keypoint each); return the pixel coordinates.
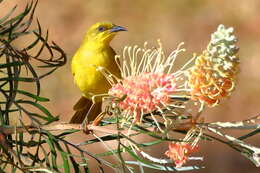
(84, 127)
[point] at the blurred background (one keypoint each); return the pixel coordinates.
(188, 21)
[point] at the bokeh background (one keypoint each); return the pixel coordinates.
(171, 21)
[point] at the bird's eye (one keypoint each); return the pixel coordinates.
(101, 28)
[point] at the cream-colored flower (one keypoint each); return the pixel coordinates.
(214, 74)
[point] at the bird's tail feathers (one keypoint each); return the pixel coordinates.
(82, 108)
(82, 103)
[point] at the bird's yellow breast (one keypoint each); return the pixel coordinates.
(84, 68)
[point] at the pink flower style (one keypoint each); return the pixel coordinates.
(145, 92)
(179, 152)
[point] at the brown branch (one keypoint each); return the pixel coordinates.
(251, 123)
(8, 130)
(58, 127)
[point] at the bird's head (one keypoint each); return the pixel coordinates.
(103, 32)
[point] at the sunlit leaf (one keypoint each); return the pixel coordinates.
(37, 98)
(53, 153)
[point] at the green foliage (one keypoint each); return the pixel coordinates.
(19, 66)
(16, 66)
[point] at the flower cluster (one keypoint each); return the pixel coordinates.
(150, 84)
(179, 152)
(145, 92)
(147, 83)
(213, 75)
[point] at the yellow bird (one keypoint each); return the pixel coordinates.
(94, 52)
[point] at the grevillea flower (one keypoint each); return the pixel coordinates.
(147, 83)
(145, 92)
(213, 75)
(179, 152)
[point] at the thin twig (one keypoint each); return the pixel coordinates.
(60, 127)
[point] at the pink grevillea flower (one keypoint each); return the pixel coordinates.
(179, 152)
(148, 84)
(144, 93)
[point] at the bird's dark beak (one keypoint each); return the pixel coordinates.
(117, 28)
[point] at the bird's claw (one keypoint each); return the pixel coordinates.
(84, 127)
